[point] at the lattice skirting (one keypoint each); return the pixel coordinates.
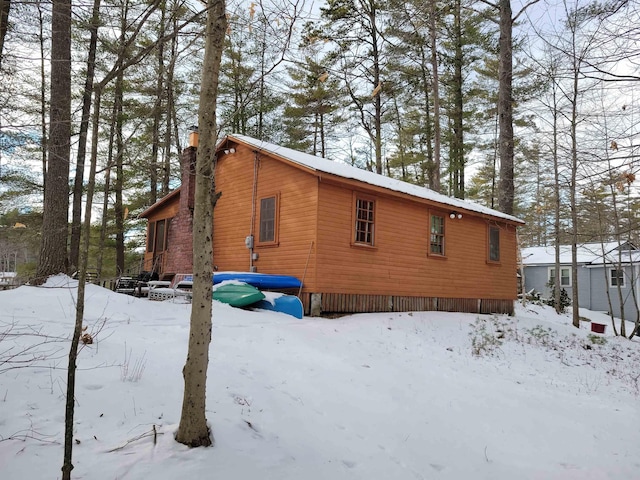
(355, 303)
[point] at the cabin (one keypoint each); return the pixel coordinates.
(359, 241)
(607, 278)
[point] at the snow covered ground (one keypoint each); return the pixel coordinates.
(423, 395)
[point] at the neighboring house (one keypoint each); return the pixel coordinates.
(360, 242)
(602, 268)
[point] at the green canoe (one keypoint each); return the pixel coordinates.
(237, 294)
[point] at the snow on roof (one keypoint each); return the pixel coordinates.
(347, 171)
(586, 253)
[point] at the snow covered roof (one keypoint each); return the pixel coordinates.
(340, 169)
(588, 253)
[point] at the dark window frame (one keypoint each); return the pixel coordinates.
(493, 244)
(437, 236)
(364, 220)
(268, 225)
(158, 235)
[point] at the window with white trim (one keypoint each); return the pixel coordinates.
(565, 276)
(616, 277)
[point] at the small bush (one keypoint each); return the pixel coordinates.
(487, 335)
(565, 301)
(132, 373)
(540, 335)
(596, 339)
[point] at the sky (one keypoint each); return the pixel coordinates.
(367, 396)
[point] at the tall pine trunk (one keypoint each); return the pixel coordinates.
(434, 172)
(457, 138)
(53, 247)
(506, 192)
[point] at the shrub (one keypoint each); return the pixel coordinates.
(540, 335)
(565, 301)
(596, 339)
(487, 335)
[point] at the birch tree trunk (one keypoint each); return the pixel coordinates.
(193, 429)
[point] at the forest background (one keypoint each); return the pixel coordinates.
(408, 89)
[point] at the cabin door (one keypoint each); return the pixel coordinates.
(157, 244)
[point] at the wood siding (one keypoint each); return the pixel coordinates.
(399, 263)
(169, 210)
(297, 205)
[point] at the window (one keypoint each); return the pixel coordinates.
(268, 220)
(437, 235)
(565, 276)
(365, 210)
(616, 278)
(494, 244)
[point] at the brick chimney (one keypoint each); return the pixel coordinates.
(179, 256)
(188, 161)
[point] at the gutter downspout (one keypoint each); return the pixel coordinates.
(250, 241)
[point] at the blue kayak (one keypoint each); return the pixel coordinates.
(289, 304)
(259, 280)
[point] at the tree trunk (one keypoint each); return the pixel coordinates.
(78, 182)
(106, 189)
(82, 280)
(170, 108)
(157, 109)
(118, 187)
(43, 96)
(572, 192)
(118, 207)
(377, 101)
(505, 110)
(5, 7)
(556, 200)
(193, 429)
(53, 248)
(434, 173)
(457, 138)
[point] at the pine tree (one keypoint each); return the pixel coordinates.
(313, 115)
(355, 29)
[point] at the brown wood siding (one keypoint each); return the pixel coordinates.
(297, 206)
(399, 263)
